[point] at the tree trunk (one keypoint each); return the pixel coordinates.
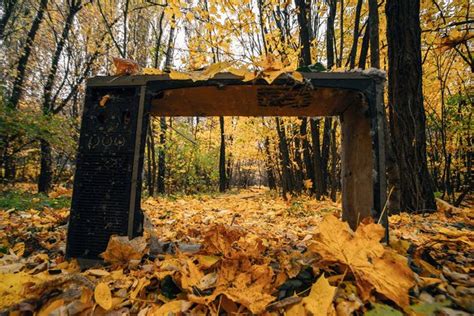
(306, 153)
(287, 176)
(325, 153)
(305, 55)
(341, 39)
(222, 173)
(305, 60)
(46, 174)
(406, 111)
(318, 175)
(365, 47)
(299, 169)
(8, 8)
(17, 90)
(374, 34)
(46, 170)
(355, 39)
(169, 50)
(333, 162)
(160, 183)
(151, 159)
(268, 166)
(330, 33)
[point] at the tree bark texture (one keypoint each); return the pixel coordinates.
(17, 90)
(222, 171)
(406, 111)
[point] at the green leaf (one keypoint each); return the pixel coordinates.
(429, 309)
(383, 310)
(317, 67)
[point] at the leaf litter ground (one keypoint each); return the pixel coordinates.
(247, 252)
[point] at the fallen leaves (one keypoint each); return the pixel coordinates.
(103, 296)
(268, 260)
(121, 250)
(269, 69)
(373, 265)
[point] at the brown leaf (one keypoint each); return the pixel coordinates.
(120, 250)
(51, 308)
(125, 66)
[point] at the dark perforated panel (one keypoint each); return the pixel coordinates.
(102, 184)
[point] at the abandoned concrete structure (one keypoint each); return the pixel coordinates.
(107, 185)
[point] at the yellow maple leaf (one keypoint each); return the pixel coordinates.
(103, 296)
(372, 265)
(319, 300)
(205, 262)
(152, 71)
(176, 75)
(270, 76)
(13, 285)
(238, 71)
(190, 275)
(250, 75)
(214, 69)
(171, 308)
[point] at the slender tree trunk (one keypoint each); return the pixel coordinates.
(325, 152)
(299, 169)
(364, 48)
(160, 183)
(268, 166)
(228, 168)
(405, 95)
(374, 34)
(318, 175)
(17, 90)
(222, 173)
(169, 50)
(151, 159)
(305, 60)
(355, 39)
(287, 176)
(306, 153)
(305, 55)
(8, 8)
(341, 39)
(46, 167)
(158, 40)
(330, 33)
(333, 162)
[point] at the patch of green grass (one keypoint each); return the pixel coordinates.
(21, 201)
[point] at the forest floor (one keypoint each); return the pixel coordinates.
(238, 253)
